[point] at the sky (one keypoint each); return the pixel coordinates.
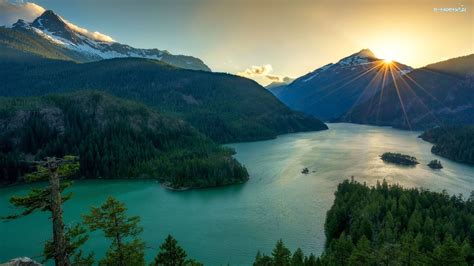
(269, 39)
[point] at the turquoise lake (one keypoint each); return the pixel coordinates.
(229, 224)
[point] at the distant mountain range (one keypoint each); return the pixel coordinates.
(330, 91)
(51, 36)
(436, 95)
(362, 88)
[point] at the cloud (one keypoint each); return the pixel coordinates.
(256, 71)
(11, 12)
(93, 35)
(275, 78)
(263, 72)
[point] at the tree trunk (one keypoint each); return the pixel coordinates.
(60, 256)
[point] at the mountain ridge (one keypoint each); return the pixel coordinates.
(67, 39)
(331, 90)
(225, 107)
(438, 94)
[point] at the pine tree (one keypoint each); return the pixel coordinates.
(362, 254)
(311, 260)
(281, 254)
(170, 253)
(298, 258)
(75, 237)
(50, 199)
(449, 253)
(112, 220)
(263, 260)
(341, 250)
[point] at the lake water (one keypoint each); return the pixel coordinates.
(229, 224)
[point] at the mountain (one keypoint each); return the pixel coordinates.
(436, 95)
(225, 107)
(285, 81)
(113, 138)
(459, 66)
(330, 91)
(51, 36)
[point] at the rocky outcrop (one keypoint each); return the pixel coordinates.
(23, 261)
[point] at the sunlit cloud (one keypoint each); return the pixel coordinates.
(262, 72)
(11, 12)
(93, 35)
(275, 78)
(256, 71)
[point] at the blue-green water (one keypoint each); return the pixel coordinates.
(229, 224)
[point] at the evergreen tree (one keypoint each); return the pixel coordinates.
(170, 253)
(50, 199)
(341, 250)
(362, 254)
(311, 260)
(298, 258)
(75, 237)
(281, 254)
(449, 253)
(263, 260)
(112, 220)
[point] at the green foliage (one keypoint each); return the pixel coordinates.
(362, 253)
(281, 256)
(47, 200)
(113, 139)
(76, 236)
(399, 158)
(170, 254)
(40, 198)
(390, 225)
(112, 220)
(298, 258)
(453, 142)
(435, 164)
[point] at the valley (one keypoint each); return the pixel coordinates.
(229, 224)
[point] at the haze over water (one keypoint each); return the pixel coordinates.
(228, 225)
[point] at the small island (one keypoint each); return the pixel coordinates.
(435, 164)
(398, 158)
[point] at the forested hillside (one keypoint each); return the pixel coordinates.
(390, 225)
(113, 138)
(453, 142)
(226, 108)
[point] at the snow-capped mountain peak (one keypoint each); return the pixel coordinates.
(364, 56)
(86, 46)
(55, 26)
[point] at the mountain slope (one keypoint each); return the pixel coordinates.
(285, 81)
(226, 108)
(453, 142)
(459, 66)
(113, 138)
(435, 95)
(330, 91)
(51, 36)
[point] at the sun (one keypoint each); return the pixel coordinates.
(387, 56)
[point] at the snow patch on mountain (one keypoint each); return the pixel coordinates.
(66, 35)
